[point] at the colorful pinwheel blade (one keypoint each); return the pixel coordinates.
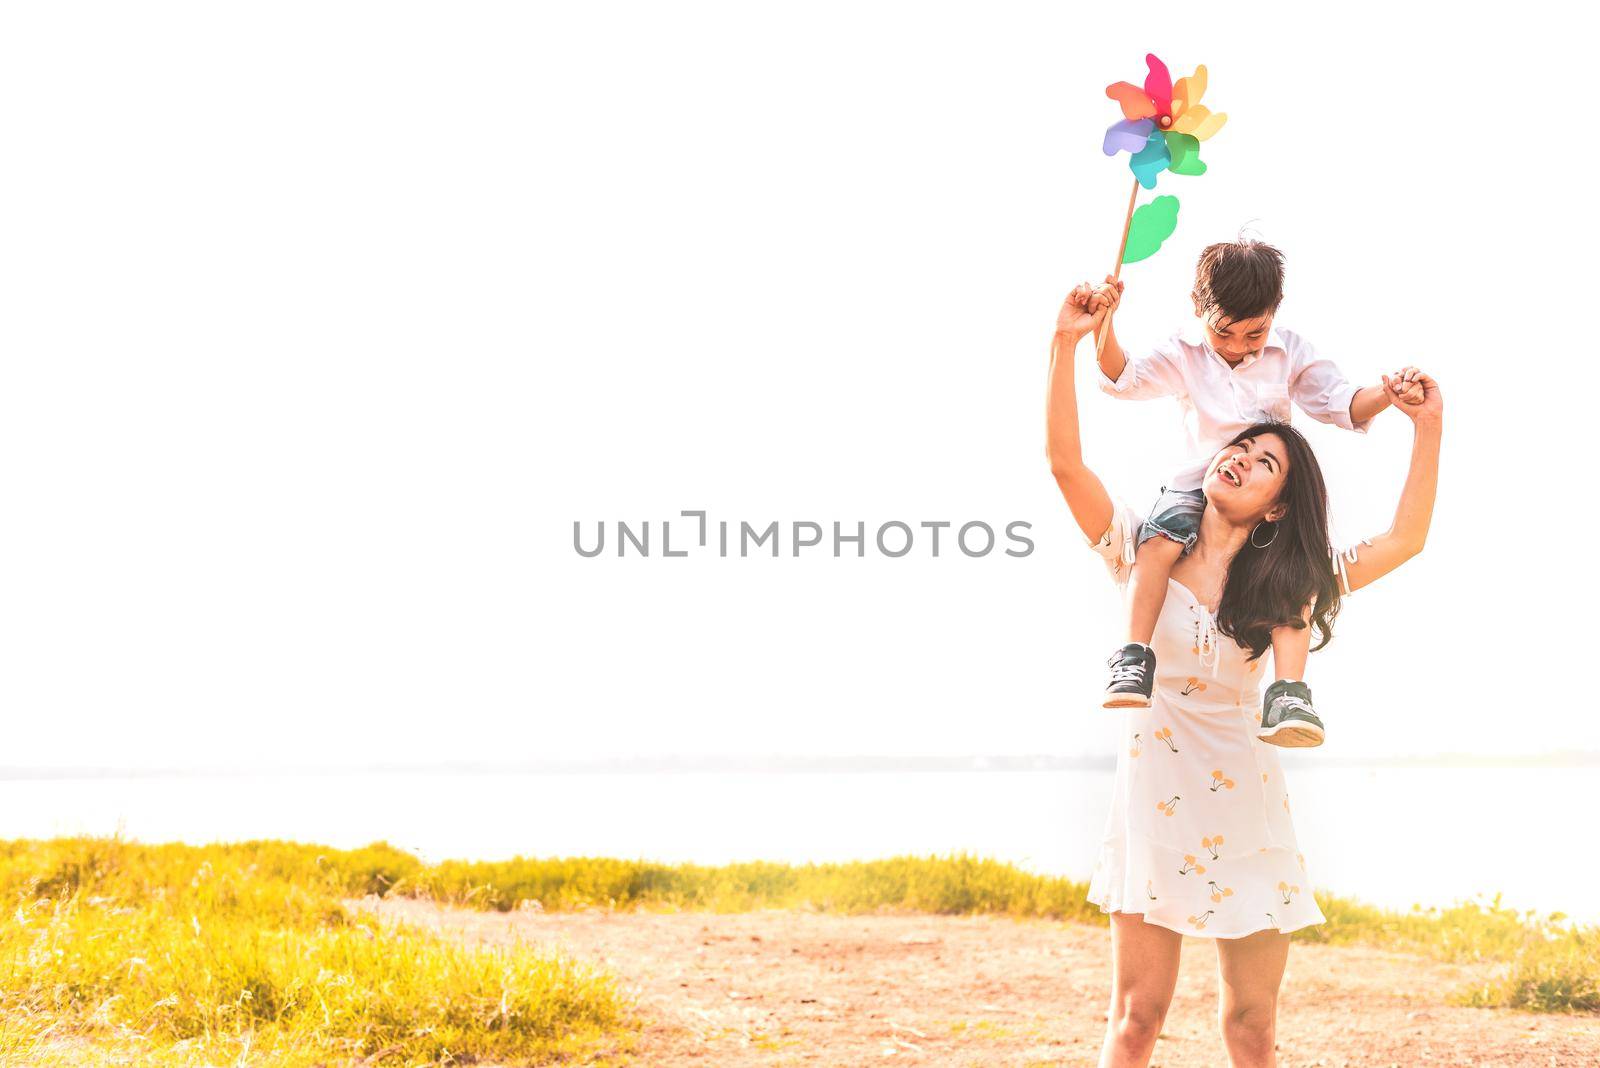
(1199, 121)
(1129, 135)
(1187, 93)
(1152, 224)
(1185, 121)
(1184, 151)
(1158, 84)
(1213, 122)
(1136, 103)
(1150, 160)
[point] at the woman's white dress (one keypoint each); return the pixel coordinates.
(1199, 838)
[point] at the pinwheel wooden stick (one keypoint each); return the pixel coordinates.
(1161, 130)
(1116, 272)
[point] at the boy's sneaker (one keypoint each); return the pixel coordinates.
(1133, 674)
(1287, 717)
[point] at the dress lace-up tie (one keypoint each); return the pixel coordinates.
(1205, 638)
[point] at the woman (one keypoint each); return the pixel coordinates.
(1200, 840)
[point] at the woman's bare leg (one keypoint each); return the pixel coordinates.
(1144, 972)
(1251, 969)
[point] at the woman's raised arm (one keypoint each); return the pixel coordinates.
(1405, 537)
(1085, 494)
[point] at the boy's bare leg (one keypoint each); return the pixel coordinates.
(1133, 666)
(1290, 648)
(1287, 717)
(1147, 586)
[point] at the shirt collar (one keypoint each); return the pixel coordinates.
(1194, 334)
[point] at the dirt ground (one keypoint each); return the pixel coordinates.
(802, 988)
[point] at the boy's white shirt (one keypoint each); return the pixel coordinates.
(1219, 401)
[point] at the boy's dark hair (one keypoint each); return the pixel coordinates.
(1239, 279)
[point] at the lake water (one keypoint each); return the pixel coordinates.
(1392, 836)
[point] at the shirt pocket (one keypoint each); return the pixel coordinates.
(1272, 401)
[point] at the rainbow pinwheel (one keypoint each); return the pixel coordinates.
(1162, 124)
(1161, 130)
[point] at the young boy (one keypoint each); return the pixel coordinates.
(1229, 370)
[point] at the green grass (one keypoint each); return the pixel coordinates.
(117, 952)
(1550, 965)
(173, 954)
(956, 884)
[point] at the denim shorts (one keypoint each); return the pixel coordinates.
(1176, 515)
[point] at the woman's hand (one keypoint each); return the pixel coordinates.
(1086, 306)
(1076, 317)
(1107, 295)
(1405, 381)
(1402, 387)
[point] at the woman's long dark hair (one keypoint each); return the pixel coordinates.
(1270, 587)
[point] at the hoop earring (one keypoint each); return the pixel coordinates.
(1270, 540)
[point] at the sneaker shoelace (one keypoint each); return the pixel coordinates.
(1286, 703)
(1128, 671)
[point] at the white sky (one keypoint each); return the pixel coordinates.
(322, 323)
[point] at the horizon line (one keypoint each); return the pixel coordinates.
(778, 763)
